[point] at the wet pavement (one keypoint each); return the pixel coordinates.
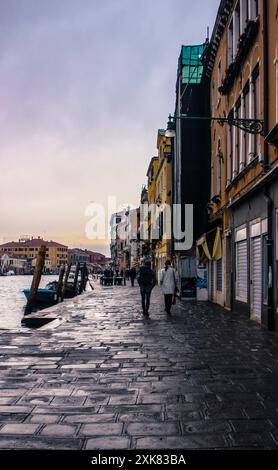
(108, 378)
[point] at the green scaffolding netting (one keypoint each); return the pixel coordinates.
(191, 65)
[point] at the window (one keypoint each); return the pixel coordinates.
(211, 180)
(219, 168)
(236, 31)
(230, 43)
(212, 98)
(219, 78)
(253, 9)
(245, 136)
(219, 181)
(229, 154)
(242, 146)
(244, 11)
(244, 15)
(236, 140)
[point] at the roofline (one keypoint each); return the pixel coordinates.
(47, 243)
(150, 164)
(220, 24)
(160, 135)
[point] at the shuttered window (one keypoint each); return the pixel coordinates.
(241, 270)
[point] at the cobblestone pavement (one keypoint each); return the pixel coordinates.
(107, 378)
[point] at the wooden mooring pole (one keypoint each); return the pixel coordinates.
(65, 282)
(75, 282)
(36, 279)
(84, 278)
(60, 282)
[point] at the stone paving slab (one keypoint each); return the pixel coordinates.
(105, 377)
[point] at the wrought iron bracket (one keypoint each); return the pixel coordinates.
(250, 126)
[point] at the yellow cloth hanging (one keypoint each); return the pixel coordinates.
(206, 249)
(197, 253)
(217, 246)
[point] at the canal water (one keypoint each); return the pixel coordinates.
(12, 299)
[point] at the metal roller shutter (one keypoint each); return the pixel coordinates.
(219, 275)
(241, 271)
(211, 279)
(256, 277)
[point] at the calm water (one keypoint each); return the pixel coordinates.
(12, 299)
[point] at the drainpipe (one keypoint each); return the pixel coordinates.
(172, 192)
(269, 201)
(266, 82)
(232, 261)
(270, 261)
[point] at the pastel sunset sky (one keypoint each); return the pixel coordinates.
(84, 86)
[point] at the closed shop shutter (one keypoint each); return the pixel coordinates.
(211, 279)
(241, 271)
(256, 277)
(219, 275)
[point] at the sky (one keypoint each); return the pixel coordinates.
(84, 86)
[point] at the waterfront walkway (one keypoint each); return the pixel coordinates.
(107, 378)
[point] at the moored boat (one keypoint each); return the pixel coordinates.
(46, 296)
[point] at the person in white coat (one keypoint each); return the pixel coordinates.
(168, 284)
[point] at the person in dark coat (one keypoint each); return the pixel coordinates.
(132, 275)
(146, 281)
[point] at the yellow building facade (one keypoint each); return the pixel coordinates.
(163, 188)
(56, 253)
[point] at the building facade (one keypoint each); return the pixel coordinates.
(163, 199)
(242, 66)
(56, 253)
(97, 258)
(12, 263)
(125, 245)
(76, 255)
(191, 162)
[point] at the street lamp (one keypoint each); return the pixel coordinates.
(251, 126)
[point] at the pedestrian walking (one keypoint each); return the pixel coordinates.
(146, 281)
(132, 275)
(168, 284)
